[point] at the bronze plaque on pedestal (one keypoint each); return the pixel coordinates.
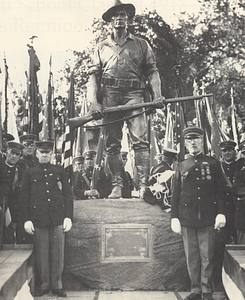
(126, 243)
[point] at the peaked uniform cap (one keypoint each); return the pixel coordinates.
(242, 146)
(192, 132)
(119, 6)
(227, 144)
(44, 145)
(168, 152)
(78, 158)
(124, 153)
(28, 137)
(8, 136)
(90, 153)
(15, 146)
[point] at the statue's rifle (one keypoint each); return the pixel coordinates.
(80, 121)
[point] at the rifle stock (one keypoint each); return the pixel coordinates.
(80, 121)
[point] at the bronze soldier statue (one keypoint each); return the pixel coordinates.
(121, 66)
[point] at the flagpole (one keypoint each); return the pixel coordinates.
(233, 118)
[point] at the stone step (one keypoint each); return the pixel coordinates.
(119, 295)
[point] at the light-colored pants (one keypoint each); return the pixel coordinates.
(49, 252)
(199, 251)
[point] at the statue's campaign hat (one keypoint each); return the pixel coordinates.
(118, 5)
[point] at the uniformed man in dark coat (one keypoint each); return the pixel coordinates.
(29, 158)
(77, 167)
(7, 137)
(226, 235)
(239, 191)
(197, 209)
(126, 177)
(15, 231)
(82, 188)
(161, 178)
(230, 166)
(47, 211)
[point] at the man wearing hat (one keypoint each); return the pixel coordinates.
(29, 158)
(126, 177)
(15, 232)
(239, 191)
(197, 209)
(77, 167)
(227, 235)
(122, 64)
(82, 188)
(47, 210)
(161, 179)
(6, 138)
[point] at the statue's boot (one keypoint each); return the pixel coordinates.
(116, 168)
(142, 162)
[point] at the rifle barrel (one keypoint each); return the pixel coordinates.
(80, 121)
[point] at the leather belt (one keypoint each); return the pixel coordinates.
(123, 83)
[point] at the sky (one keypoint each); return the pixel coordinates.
(61, 25)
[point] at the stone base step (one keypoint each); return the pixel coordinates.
(119, 295)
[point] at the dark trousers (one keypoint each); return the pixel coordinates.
(240, 237)
(199, 249)
(226, 235)
(49, 251)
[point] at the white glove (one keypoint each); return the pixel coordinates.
(220, 221)
(29, 227)
(67, 224)
(175, 225)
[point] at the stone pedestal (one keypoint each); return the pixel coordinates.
(123, 244)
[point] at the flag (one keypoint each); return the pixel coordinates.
(33, 96)
(68, 139)
(233, 120)
(217, 135)
(98, 159)
(154, 147)
(5, 102)
(180, 91)
(169, 133)
(1, 128)
(48, 119)
(179, 126)
(9, 123)
(82, 134)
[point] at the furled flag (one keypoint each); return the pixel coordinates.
(154, 147)
(82, 133)
(5, 101)
(98, 159)
(32, 120)
(233, 119)
(68, 139)
(47, 132)
(169, 133)
(216, 132)
(7, 110)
